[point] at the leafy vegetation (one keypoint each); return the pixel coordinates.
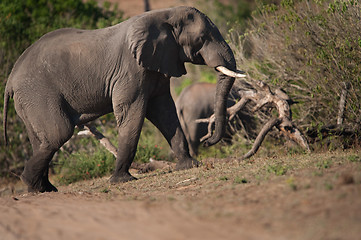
(84, 166)
(312, 50)
(233, 14)
(151, 145)
(277, 169)
(240, 180)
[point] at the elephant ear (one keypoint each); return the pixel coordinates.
(154, 47)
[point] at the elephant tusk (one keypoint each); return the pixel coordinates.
(231, 73)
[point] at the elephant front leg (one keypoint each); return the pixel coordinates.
(162, 113)
(129, 120)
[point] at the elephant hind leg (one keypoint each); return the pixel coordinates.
(186, 130)
(37, 183)
(47, 133)
(36, 170)
(192, 136)
(193, 148)
(35, 174)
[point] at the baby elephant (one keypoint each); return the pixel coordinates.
(196, 102)
(72, 76)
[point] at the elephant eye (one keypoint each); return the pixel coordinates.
(198, 44)
(204, 36)
(201, 38)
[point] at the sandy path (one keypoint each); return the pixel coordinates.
(82, 216)
(308, 202)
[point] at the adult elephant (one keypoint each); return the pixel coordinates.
(196, 102)
(70, 77)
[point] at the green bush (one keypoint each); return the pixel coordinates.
(209, 77)
(182, 85)
(152, 145)
(311, 49)
(230, 15)
(84, 165)
(354, 158)
(147, 149)
(326, 163)
(23, 22)
(278, 169)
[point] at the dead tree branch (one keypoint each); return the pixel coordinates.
(262, 134)
(342, 103)
(146, 6)
(91, 130)
(141, 167)
(262, 95)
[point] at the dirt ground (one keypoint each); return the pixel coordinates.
(315, 196)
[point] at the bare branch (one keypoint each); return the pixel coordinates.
(91, 130)
(264, 96)
(342, 103)
(262, 134)
(295, 135)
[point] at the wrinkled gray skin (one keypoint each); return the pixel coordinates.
(71, 76)
(196, 102)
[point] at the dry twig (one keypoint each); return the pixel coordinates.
(91, 130)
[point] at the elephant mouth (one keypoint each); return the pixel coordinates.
(230, 73)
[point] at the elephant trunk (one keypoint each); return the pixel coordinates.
(224, 86)
(224, 62)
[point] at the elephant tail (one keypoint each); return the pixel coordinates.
(7, 96)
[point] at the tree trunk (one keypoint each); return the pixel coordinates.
(146, 6)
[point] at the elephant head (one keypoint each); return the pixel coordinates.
(164, 40)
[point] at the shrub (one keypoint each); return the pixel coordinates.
(354, 158)
(148, 149)
(231, 14)
(278, 169)
(152, 145)
(311, 49)
(84, 165)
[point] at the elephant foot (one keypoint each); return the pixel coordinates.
(187, 164)
(120, 178)
(43, 185)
